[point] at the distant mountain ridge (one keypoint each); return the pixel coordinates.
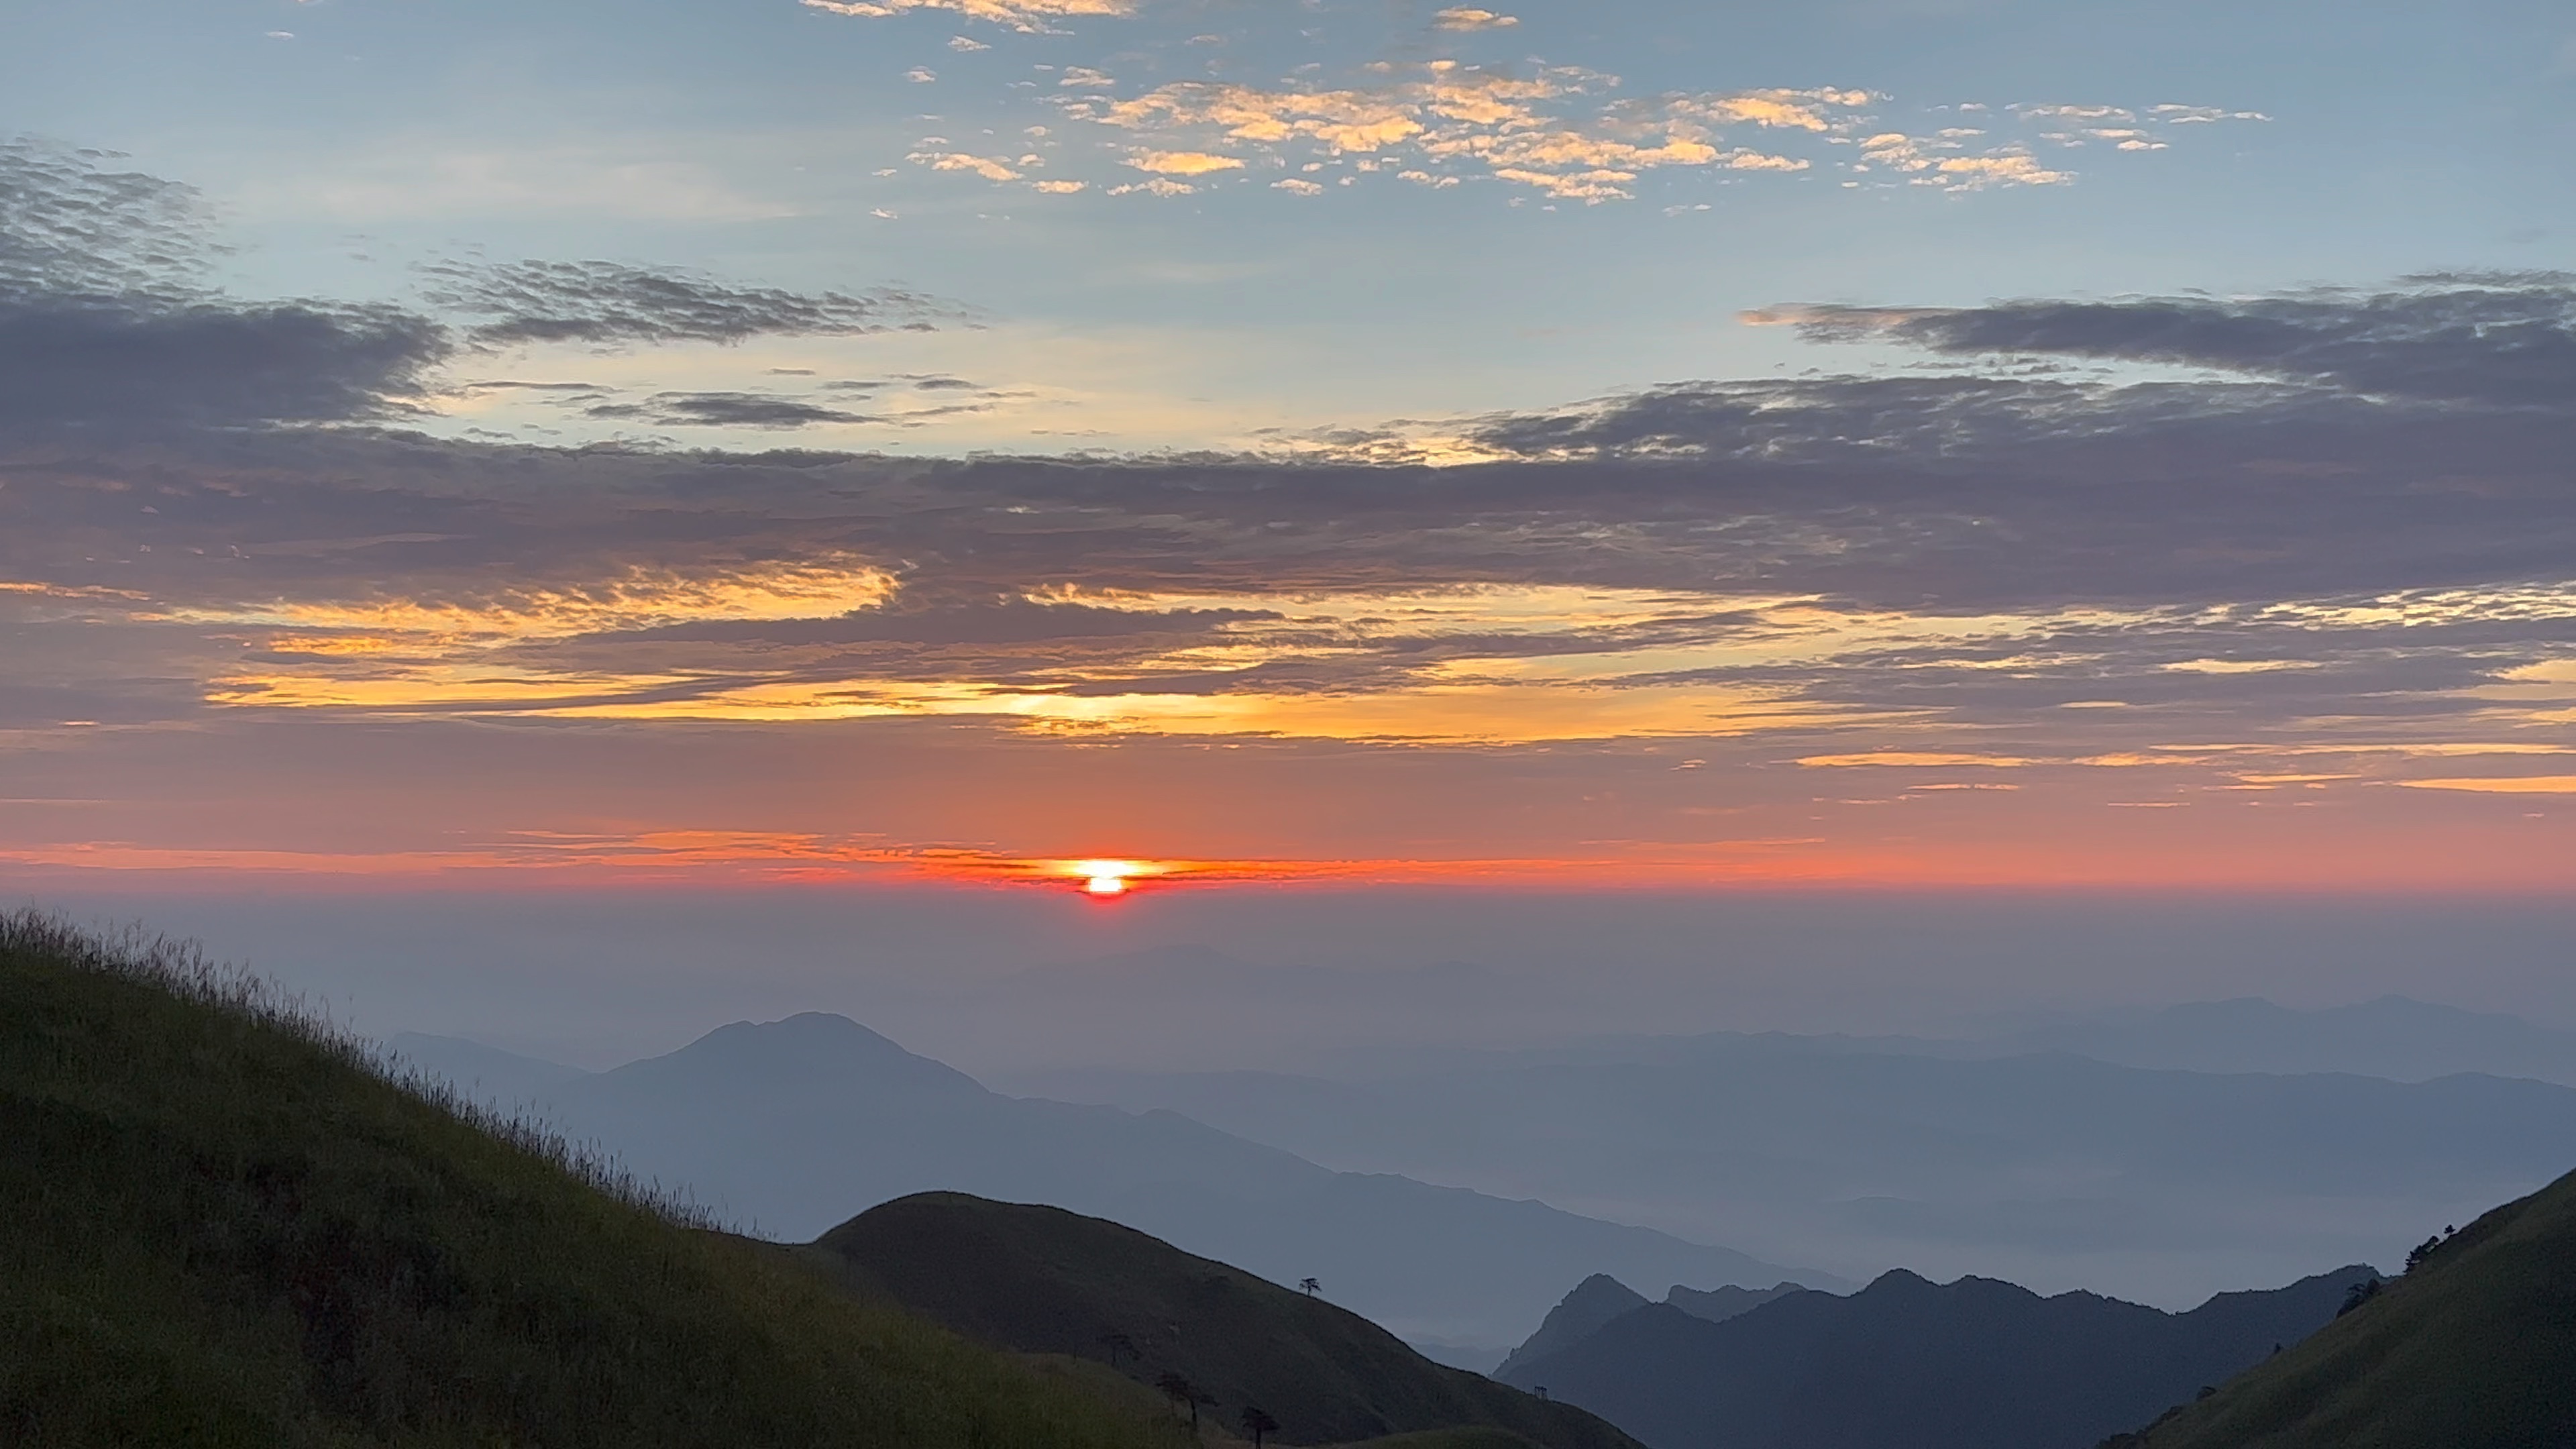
(2043, 1167)
(789, 1127)
(1599, 1300)
(1973, 1364)
(2396, 1037)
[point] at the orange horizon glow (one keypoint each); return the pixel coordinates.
(717, 859)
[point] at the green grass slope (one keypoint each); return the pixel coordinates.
(222, 1227)
(2475, 1349)
(1042, 1280)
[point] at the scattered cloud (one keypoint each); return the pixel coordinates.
(1021, 15)
(1182, 163)
(990, 168)
(1464, 17)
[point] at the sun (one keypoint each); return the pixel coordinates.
(1105, 878)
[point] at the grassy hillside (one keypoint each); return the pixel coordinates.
(2475, 1349)
(1043, 1280)
(224, 1228)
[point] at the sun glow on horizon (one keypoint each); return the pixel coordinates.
(1108, 879)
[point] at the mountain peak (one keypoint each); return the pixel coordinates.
(817, 1051)
(1594, 1303)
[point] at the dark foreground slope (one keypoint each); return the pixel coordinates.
(221, 1228)
(2475, 1349)
(1043, 1280)
(1974, 1364)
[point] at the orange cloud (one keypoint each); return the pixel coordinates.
(1023, 15)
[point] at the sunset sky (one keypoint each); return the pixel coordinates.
(1580, 447)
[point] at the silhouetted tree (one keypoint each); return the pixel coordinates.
(1182, 1392)
(1258, 1425)
(1309, 1286)
(2357, 1295)
(1120, 1346)
(2417, 1255)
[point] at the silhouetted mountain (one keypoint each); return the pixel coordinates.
(791, 1126)
(1974, 1364)
(2047, 1168)
(1580, 1314)
(2473, 1349)
(1599, 1300)
(1042, 1280)
(1720, 1304)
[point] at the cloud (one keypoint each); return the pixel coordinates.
(1564, 131)
(1468, 18)
(987, 167)
(728, 409)
(108, 328)
(605, 302)
(1021, 15)
(83, 364)
(2096, 575)
(70, 227)
(2504, 338)
(1920, 160)
(2503, 785)
(1182, 163)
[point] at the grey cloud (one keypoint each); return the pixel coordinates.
(106, 323)
(1000, 621)
(727, 409)
(72, 227)
(2501, 338)
(208, 364)
(605, 302)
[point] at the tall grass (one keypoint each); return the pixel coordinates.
(181, 968)
(226, 1220)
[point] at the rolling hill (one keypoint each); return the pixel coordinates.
(1045, 1281)
(226, 1227)
(2474, 1349)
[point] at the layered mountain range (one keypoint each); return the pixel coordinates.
(788, 1127)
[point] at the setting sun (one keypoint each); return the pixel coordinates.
(1107, 877)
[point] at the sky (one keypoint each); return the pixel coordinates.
(948, 448)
